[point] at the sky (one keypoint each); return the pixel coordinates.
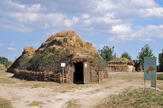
(125, 24)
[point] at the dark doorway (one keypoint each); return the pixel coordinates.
(78, 74)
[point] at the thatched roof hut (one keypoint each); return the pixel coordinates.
(121, 65)
(44, 63)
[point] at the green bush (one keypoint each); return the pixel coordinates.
(5, 62)
(107, 53)
(100, 62)
(125, 55)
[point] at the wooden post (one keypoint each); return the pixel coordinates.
(60, 77)
(63, 75)
(66, 77)
(98, 76)
(63, 66)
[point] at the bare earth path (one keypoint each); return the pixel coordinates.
(33, 94)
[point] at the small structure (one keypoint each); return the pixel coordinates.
(44, 63)
(121, 65)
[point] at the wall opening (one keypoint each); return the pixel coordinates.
(78, 74)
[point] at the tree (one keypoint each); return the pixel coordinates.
(5, 62)
(145, 52)
(125, 55)
(107, 53)
(161, 61)
(137, 66)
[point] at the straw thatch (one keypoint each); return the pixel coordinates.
(22, 61)
(121, 65)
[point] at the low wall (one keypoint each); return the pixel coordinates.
(39, 76)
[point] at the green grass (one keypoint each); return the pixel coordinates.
(134, 99)
(36, 103)
(73, 104)
(4, 103)
(35, 86)
(5, 79)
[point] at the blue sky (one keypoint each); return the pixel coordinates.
(125, 24)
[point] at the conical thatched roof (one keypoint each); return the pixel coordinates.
(64, 46)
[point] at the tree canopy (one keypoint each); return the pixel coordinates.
(161, 61)
(107, 53)
(125, 55)
(5, 62)
(145, 52)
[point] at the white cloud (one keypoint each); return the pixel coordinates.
(138, 9)
(75, 19)
(106, 16)
(88, 21)
(154, 12)
(11, 49)
(143, 3)
(120, 29)
(71, 22)
(26, 22)
(16, 27)
(85, 16)
(154, 31)
(34, 8)
(1, 44)
(68, 23)
(109, 18)
(104, 5)
(148, 33)
(12, 5)
(24, 17)
(53, 19)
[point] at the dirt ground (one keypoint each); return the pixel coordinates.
(34, 94)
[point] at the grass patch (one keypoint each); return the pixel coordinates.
(73, 104)
(35, 86)
(59, 99)
(4, 103)
(63, 88)
(4, 79)
(35, 103)
(134, 99)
